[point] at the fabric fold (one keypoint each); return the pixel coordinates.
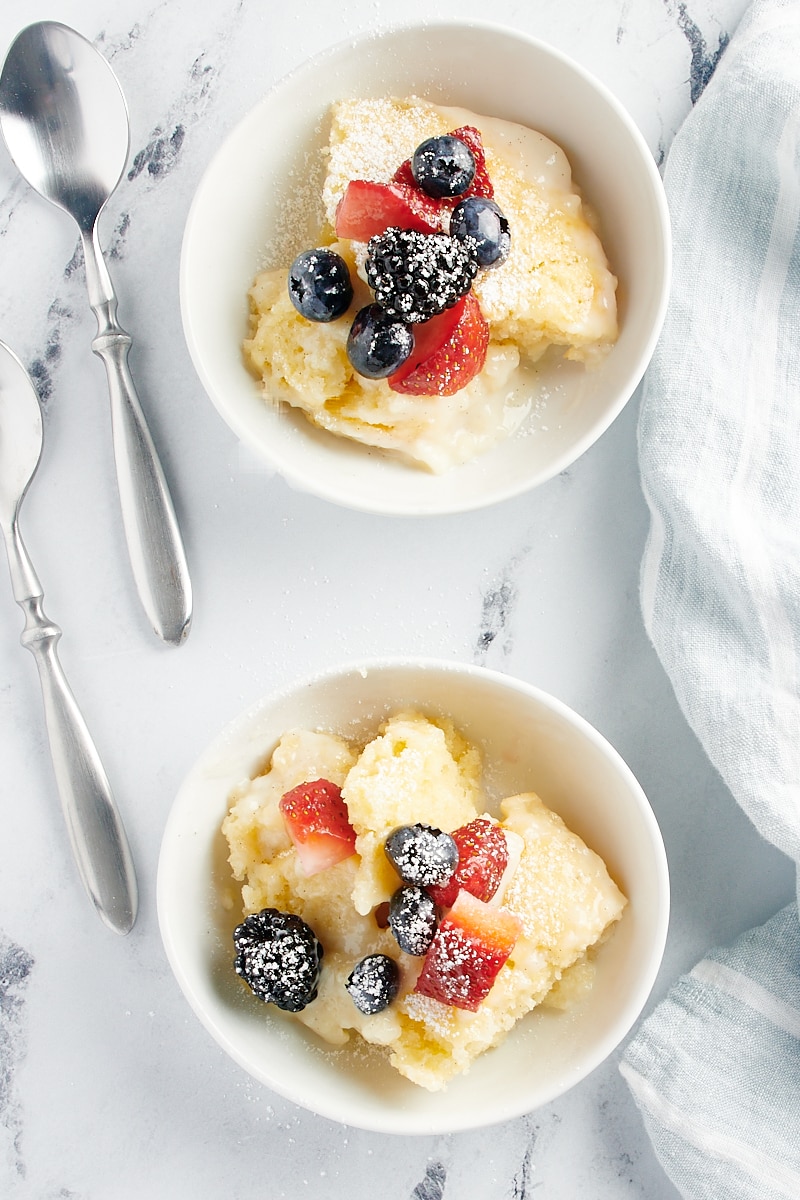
(719, 429)
(716, 1068)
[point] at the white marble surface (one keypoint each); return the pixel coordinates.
(109, 1087)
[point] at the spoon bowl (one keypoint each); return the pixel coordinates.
(65, 123)
(54, 85)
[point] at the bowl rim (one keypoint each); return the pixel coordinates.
(506, 487)
(412, 1123)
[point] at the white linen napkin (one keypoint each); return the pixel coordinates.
(716, 1068)
(719, 430)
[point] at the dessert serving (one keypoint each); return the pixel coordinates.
(380, 896)
(263, 200)
(454, 255)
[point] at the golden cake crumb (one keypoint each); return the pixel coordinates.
(419, 770)
(555, 292)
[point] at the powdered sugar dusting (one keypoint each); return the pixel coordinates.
(386, 132)
(439, 1018)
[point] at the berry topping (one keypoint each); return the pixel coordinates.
(379, 342)
(482, 861)
(468, 949)
(412, 919)
(451, 363)
(319, 285)
(373, 983)
(368, 208)
(481, 184)
(443, 166)
(421, 854)
(429, 336)
(417, 275)
(483, 223)
(279, 957)
(315, 816)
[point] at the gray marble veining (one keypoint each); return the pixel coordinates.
(15, 968)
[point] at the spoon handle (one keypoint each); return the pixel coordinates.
(151, 528)
(95, 828)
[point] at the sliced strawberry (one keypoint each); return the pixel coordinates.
(405, 176)
(316, 820)
(429, 336)
(482, 861)
(368, 208)
(454, 353)
(468, 949)
(481, 184)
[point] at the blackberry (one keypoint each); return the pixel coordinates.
(319, 285)
(412, 919)
(482, 221)
(417, 275)
(373, 983)
(443, 166)
(279, 957)
(421, 854)
(379, 342)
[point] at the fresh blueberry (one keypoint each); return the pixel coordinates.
(379, 342)
(482, 221)
(421, 854)
(373, 983)
(443, 166)
(412, 919)
(319, 285)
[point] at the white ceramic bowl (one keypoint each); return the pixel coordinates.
(494, 72)
(530, 741)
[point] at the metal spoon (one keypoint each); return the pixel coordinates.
(65, 122)
(95, 828)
